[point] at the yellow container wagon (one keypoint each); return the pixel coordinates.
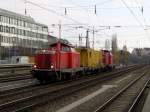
(90, 58)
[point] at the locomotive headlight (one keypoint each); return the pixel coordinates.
(52, 66)
(34, 66)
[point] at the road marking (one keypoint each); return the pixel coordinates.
(118, 81)
(85, 99)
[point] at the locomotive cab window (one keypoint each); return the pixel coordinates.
(53, 48)
(65, 48)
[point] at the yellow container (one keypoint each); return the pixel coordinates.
(90, 58)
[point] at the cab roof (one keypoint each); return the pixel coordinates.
(62, 43)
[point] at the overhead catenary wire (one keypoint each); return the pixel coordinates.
(79, 23)
(104, 2)
(144, 19)
(139, 5)
(54, 12)
(141, 10)
(95, 13)
(133, 14)
(67, 17)
(89, 8)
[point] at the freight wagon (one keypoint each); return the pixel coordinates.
(90, 59)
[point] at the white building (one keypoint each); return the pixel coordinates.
(20, 35)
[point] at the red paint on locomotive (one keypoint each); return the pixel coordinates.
(58, 57)
(111, 59)
(105, 57)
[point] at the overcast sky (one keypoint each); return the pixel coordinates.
(134, 23)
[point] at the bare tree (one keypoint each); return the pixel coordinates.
(107, 44)
(114, 46)
(114, 43)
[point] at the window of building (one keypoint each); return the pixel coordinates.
(35, 27)
(13, 40)
(21, 42)
(44, 36)
(41, 36)
(28, 33)
(5, 39)
(22, 23)
(0, 39)
(15, 21)
(1, 28)
(17, 40)
(29, 25)
(19, 31)
(34, 34)
(39, 27)
(19, 23)
(9, 39)
(25, 32)
(10, 21)
(0, 18)
(3, 18)
(38, 35)
(45, 29)
(22, 32)
(4, 28)
(7, 19)
(13, 30)
(7, 29)
(16, 31)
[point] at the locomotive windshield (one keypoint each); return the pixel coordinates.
(45, 52)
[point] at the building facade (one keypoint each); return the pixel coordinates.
(20, 35)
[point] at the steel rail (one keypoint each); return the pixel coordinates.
(15, 78)
(135, 102)
(102, 107)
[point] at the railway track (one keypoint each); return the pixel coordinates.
(11, 69)
(2, 66)
(15, 77)
(136, 102)
(13, 101)
(14, 72)
(125, 100)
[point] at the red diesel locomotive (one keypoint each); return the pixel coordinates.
(59, 61)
